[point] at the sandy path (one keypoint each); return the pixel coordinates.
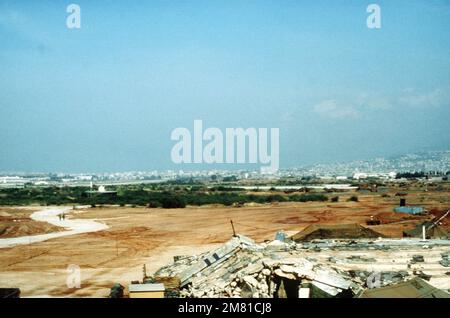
(51, 216)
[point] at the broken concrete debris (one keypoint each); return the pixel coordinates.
(445, 259)
(362, 259)
(422, 275)
(116, 291)
(417, 259)
(286, 269)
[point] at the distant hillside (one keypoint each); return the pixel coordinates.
(423, 161)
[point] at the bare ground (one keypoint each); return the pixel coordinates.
(138, 236)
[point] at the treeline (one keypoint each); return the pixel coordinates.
(419, 174)
(411, 175)
(178, 198)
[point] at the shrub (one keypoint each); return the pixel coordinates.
(172, 202)
(353, 198)
(275, 198)
(308, 197)
(335, 199)
(153, 204)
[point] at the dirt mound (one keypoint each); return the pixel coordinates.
(437, 212)
(331, 231)
(298, 220)
(25, 227)
(391, 217)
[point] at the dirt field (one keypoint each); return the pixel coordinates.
(138, 236)
(15, 222)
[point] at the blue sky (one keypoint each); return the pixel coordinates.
(107, 96)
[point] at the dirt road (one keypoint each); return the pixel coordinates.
(52, 216)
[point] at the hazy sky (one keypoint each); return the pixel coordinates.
(107, 96)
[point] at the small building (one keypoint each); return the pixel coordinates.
(409, 209)
(101, 192)
(146, 290)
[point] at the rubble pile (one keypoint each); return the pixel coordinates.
(445, 259)
(242, 268)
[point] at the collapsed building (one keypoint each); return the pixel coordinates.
(311, 269)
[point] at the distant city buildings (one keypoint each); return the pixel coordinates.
(435, 165)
